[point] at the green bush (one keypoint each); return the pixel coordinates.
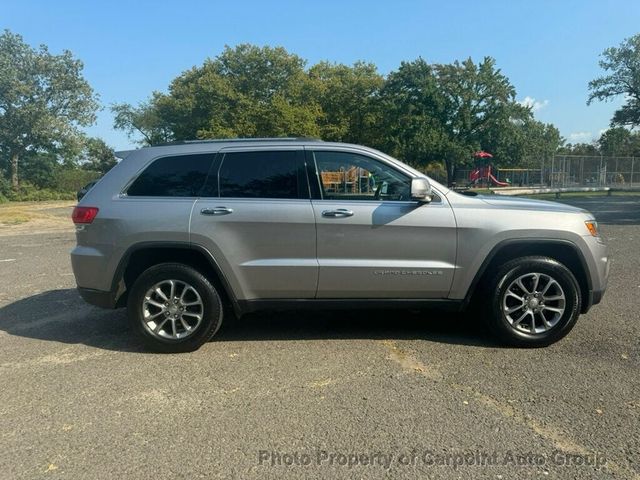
(5, 188)
(30, 193)
(65, 182)
(72, 180)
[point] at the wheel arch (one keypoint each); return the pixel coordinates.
(564, 251)
(143, 255)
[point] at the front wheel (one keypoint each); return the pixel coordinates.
(533, 302)
(174, 308)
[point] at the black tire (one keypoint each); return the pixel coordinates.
(211, 308)
(496, 288)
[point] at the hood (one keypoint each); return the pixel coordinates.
(518, 203)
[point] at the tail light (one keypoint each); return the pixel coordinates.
(84, 214)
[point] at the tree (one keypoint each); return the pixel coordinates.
(534, 141)
(422, 113)
(446, 112)
(98, 156)
(412, 110)
(619, 142)
(246, 91)
(348, 97)
(142, 120)
(583, 149)
(44, 99)
(480, 111)
(623, 65)
(39, 169)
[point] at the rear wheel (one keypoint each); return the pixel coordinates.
(174, 308)
(532, 302)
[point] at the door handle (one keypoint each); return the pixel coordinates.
(340, 212)
(216, 211)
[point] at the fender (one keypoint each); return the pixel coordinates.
(124, 261)
(528, 242)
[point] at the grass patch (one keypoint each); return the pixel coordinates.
(13, 216)
(45, 213)
(14, 220)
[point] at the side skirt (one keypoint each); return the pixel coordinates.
(247, 306)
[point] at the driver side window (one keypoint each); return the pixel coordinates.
(349, 176)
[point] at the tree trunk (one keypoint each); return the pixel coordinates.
(14, 171)
(451, 171)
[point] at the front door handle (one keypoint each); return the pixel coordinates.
(216, 211)
(340, 212)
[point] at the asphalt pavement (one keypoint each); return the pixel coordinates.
(368, 394)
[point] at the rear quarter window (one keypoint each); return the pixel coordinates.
(173, 176)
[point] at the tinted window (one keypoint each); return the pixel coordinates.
(179, 176)
(266, 174)
(350, 176)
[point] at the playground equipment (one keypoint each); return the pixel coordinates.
(482, 173)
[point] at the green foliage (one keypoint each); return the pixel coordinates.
(39, 169)
(584, 149)
(413, 108)
(246, 91)
(5, 189)
(620, 142)
(71, 180)
(348, 99)
(532, 142)
(622, 64)
(43, 101)
(27, 192)
(421, 113)
(97, 156)
(447, 112)
(143, 120)
(433, 116)
(436, 170)
(480, 112)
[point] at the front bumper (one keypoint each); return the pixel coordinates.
(594, 298)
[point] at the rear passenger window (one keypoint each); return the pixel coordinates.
(260, 174)
(177, 176)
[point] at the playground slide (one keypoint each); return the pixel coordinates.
(495, 181)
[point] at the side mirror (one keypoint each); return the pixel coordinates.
(421, 190)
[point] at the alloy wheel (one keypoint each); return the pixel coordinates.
(172, 309)
(534, 303)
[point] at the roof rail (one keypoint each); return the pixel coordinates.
(227, 140)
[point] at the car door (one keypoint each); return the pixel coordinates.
(255, 217)
(373, 240)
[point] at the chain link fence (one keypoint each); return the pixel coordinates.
(584, 171)
(562, 171)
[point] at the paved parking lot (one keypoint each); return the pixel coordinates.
(292, 395)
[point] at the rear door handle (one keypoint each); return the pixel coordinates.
(340, 212)
(216, 211)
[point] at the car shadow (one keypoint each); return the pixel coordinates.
(62, 316)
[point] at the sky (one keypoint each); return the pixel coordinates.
(548, 49)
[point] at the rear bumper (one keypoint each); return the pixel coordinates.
(98, 298)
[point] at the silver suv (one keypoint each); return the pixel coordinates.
(188, 233)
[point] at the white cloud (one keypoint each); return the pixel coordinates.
(534, 104)
(580, 137)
